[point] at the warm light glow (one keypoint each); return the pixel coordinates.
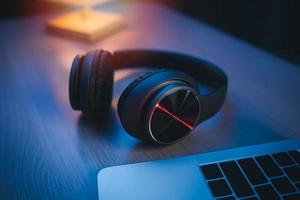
(80, 2)
(86, 23)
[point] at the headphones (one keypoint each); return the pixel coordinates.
(162, 106)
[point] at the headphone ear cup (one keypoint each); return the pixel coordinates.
(130, 87)
(125, 94)
(96, 84)
(136, 95)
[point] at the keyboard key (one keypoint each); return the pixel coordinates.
(295, 155)
(269, 166)
(211, 171)
(293, 173)
(298, 186)
(227, 198)
(283, 159)
(266, 192)
(219, 188)
(283, 185)
(251, 198)
(236, 179)
(252, 171)
(292, 197)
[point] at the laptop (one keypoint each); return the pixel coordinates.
(266, 171)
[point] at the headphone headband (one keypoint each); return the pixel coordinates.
(204, 72)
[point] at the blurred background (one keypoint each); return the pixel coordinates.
(273, 25)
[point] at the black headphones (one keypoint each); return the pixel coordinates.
(162, 106)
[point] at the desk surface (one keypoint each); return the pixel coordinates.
(48, 151)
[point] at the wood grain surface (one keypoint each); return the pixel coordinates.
(48, 151)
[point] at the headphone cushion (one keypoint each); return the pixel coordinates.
(96, 84)
(103, 87)
(74, 82)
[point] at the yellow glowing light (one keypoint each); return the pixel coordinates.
(80, 2)
(86, 24)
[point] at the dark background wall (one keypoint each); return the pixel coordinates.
(270, 24)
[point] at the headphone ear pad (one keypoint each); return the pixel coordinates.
(103, 87)
(96, 84)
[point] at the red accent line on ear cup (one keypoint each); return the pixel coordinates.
(173, 116)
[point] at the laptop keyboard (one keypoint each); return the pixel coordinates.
(266, 177)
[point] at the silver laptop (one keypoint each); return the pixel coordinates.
(267, 171)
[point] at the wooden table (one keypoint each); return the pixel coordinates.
(48, 151)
